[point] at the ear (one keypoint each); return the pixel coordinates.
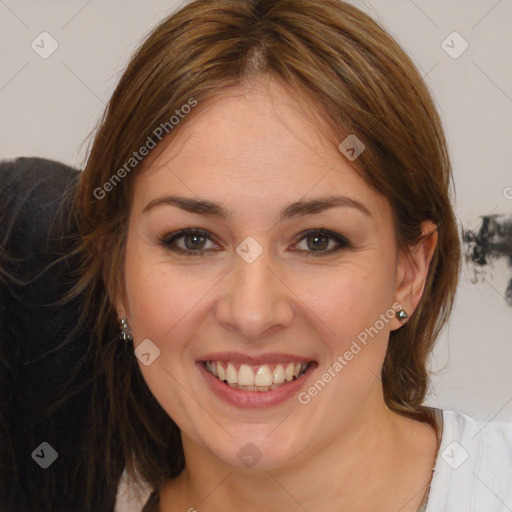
(121, 310)
(411, 272)
(119, 304)
(116, 300)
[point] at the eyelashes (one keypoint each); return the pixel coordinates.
(169, 241)
(325, 237)
(321, 238)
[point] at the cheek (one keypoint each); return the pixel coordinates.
(355, 335)
(153, 308)
(347, 299)
(160, 299)
(162, 302)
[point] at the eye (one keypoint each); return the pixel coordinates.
(193, 240)
(320, 239)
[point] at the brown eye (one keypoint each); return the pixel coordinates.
(320, 242)
(193, 242)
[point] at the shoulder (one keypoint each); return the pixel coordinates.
(474, 465)
(135, 496)
(33, 193)
(26, 176)
(36, 218)
(45, 374)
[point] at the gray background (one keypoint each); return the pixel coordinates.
(49, 106)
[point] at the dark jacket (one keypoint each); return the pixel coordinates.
(36, 373)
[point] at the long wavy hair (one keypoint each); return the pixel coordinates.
(360, 81)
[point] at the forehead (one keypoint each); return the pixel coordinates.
(259, 143)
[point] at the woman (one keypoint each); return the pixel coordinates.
(243, 138)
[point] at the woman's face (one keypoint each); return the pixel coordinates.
(258, 293)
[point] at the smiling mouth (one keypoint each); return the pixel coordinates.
(256, 377)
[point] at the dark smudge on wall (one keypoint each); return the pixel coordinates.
(491, 241)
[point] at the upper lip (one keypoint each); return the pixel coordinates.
(238, 357)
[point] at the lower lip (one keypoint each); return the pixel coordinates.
(242, 398)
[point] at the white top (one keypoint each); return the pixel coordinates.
(473, 471)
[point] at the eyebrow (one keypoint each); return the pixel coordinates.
(296, 209)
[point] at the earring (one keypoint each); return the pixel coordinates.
(401, 315)
(126, 333)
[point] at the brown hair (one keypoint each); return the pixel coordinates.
(361, 82)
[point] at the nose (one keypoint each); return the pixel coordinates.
(255, 300)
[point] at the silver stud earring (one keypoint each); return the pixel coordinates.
(126, 333)
(401, 315)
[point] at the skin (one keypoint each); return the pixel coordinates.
(255, 150)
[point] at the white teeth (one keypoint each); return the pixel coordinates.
(221, 374)
(247, 388)
(278, 376)
(263, 376)
(246, 376)
(288, 374)
(231, 374)
(260, 378)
